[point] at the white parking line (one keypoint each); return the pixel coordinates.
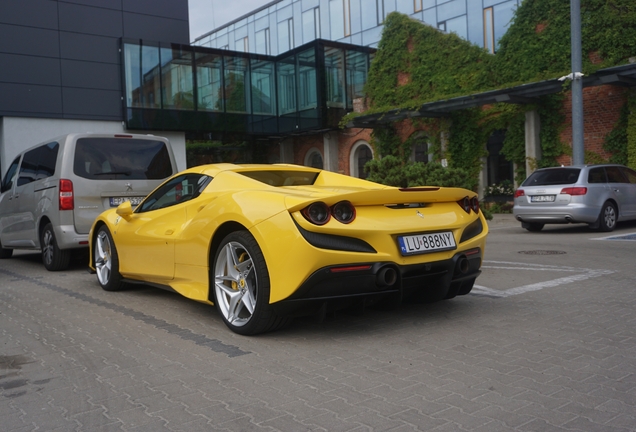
(622, 237)
(582, 274)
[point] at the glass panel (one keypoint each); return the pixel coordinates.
(286, 69)
(503, 15)
(336, 19)
(176, 76)
(357, 69)
(283, 37)
(47, 159)
(7, 181)
(363, 155)
(369, 15)
(262, 41)
(236, 78)
(307, 86)
(209, 82)
(315, 160)
(263, 87)
(334, 73)
(407, 7)
(309, 26)
(142, 76)
(458, 26)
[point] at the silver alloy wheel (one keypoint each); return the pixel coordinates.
(235, 283)
(609, 216)
(48, 248)
(103, 258)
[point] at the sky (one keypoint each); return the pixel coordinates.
(206, 15)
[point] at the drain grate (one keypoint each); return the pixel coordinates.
(542, 252)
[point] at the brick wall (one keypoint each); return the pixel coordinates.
(601, 110)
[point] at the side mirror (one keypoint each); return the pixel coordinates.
(124, 210)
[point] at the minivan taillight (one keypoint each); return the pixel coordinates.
(66, 195)
(574, 191)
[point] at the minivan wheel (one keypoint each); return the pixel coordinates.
(5, 253)
(608, 217)
(54, 258)
(106, 261)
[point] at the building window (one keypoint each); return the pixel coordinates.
(361, 153)
(263, 87)
(314, 159)
(209, 82)
(242, 44)
(340, 18)
(311, 25)
(442, 26)
(489, 30)
(285, 35)
(380, 9)
(417, 6)
(236, 81)
(286, 71)
(334, 72)
(262, 42)
(420, 150)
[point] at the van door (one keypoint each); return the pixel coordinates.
(113, 169)
(23, 227)
(8, 205)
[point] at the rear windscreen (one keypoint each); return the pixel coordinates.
(121, 159)
(283, 178)
(557, 176)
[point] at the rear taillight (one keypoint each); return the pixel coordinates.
(519, 193)
(317, 213)
(343, 212)
(66, 195)
(469, 204)
(574, 191)
(474, 204)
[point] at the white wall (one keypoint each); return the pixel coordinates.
(18, 133)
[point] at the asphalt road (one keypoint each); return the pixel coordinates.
(545, 342)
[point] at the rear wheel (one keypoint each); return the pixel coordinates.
(54, 258)
(241, 286)
(608, 217)
(5, 253)
(106, 261)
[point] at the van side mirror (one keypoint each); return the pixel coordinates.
(124, 210)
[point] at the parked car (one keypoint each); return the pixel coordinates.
(267, 242)
(52, 192)
(598, 195)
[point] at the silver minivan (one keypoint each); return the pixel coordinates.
(52, 192)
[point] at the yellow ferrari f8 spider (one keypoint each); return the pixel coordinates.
(265, 243)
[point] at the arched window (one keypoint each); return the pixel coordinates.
(420, 150)
(313, 159)
(361, 153)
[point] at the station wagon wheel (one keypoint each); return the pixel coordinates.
(608, 217)
(5, 253)
(106, 261)
(241, 286)
(54, 258)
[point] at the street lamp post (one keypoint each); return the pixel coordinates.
(578, 146)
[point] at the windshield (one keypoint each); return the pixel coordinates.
(556, 176)
(121, 159)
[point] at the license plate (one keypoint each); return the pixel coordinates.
(542, 198)
(424, 243)
(115, 201)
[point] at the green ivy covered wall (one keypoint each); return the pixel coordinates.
(416, 63)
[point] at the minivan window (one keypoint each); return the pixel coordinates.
(7, 181)
(121, 159)
(555, 176)
(38, 163)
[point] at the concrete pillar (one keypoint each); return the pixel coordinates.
(533, 141)
(287, 151)
(483, 178)
(330, 141)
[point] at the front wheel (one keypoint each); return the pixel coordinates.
(54, 258)
(106, 261)
(241, 286)
(608, 217)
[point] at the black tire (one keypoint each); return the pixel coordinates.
(106, 261)
(53, 258)
(608, 218)
(243, 285)
(534, 227)
(5, 253)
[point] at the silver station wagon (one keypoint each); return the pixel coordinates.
(52, 192)
(598, 195)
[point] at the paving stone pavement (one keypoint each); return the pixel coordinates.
(562, 358)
